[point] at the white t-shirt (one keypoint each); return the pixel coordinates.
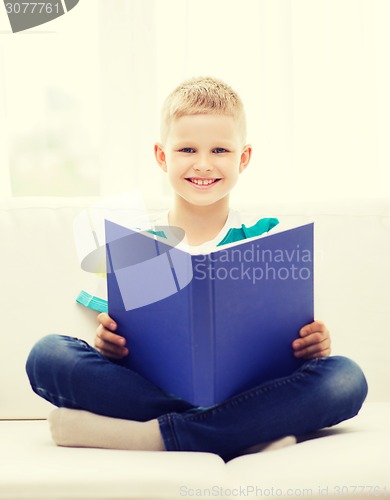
(96, 298)
(233, 220)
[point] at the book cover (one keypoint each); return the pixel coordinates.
(207, 327)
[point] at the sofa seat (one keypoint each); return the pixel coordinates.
(350, 458)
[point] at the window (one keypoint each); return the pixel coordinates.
(50, 106)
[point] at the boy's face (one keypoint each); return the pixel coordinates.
(203, 156)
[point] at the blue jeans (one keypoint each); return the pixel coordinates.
(323, 392)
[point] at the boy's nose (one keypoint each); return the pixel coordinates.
(203, 164)
(204, 168)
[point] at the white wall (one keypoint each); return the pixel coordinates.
(314, 76)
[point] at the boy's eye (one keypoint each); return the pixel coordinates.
(187, 150)
(219, 150)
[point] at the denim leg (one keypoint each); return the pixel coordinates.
(322, 393)
(70, 373)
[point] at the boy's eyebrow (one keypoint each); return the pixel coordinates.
(214, 144)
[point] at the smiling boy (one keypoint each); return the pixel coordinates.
(203, 156)
(203, 151)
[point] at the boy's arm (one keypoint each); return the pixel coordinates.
(108, 343)
(314, 341)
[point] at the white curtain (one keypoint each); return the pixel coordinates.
(5, 179)
(314, 76)
(127, 44)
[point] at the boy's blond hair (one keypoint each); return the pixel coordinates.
(202, 95)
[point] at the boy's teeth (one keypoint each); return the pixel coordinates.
(202, 182)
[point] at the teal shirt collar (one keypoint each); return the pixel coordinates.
(237, 234)
(242, 233)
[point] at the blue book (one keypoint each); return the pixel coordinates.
(207, 327)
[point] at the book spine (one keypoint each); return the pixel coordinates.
(203, 332)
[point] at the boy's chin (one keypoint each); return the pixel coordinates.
(205, 201)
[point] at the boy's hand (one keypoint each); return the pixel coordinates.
(107, 342)
(314, 341)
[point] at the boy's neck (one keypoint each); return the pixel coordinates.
(200, 223)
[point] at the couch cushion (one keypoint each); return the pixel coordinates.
(341, 461)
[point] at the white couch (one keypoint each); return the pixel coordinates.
(40, 279)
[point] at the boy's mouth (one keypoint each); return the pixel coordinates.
(202, 182)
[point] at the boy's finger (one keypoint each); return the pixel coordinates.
(111, 354)
(108, 336)
(312, 339)
(102, 344)
(318, 354)
(106, 321)
(314, 350)
(316, 326)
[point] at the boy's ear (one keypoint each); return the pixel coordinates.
(245, 157)
(160, 156)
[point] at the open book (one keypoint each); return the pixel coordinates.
(207, 327)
